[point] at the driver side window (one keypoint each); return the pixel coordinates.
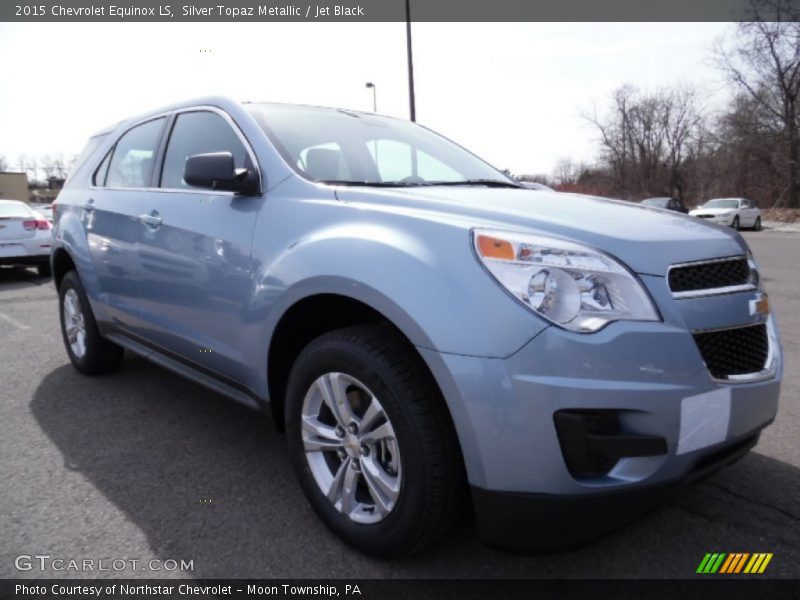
(199, 132)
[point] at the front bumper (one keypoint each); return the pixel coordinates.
(649, 374)
(726, 220)
(518, 521)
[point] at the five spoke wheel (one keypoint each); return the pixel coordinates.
(74, 324)
(351, 448)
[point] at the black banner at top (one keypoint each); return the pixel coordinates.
(390, 10)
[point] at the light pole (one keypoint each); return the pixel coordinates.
(411, 101)
(374, 96)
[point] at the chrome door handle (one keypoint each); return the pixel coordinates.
(152, 219)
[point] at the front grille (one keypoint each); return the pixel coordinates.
(739, 351)
(709, 275)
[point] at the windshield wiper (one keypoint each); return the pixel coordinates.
(371, 183)
(486, 182)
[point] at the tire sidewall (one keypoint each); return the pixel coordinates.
(735, 223)
(392, 533)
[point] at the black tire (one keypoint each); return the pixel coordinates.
(44, 269)
(101, 355)
(757, 225)
(735, 223)
(433, 486)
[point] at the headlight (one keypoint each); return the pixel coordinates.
(571, 285)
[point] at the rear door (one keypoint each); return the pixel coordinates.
(111, 214)
(195, 252)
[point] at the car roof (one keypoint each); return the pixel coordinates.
(216, 101)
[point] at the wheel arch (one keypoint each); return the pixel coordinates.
(62, 264)
(315, 314)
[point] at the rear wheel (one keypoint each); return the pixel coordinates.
(735, 223)
(88, 351)
(757, 225)
(371, 441)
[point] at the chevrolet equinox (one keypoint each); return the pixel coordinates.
(431, 335)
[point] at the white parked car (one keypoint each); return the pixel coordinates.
(733, 212)
(25, 237)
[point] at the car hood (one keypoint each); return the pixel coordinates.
(647, 240)
(712, 211)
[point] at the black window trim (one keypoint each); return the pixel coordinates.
(108, 155)
(161, 146)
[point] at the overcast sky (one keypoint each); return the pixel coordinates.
(511, 92)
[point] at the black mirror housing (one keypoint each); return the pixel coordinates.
(216, 171)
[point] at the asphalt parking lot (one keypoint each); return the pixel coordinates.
(143, 464)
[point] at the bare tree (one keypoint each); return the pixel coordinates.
(54, 166)
(567, 171)
(764, 63)
(648, 139)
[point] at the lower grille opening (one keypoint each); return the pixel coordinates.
(739, 351)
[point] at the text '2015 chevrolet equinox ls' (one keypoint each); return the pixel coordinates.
(429, 332)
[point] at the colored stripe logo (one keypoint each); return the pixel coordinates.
(734, 563)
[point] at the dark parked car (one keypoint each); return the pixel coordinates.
(666, 203)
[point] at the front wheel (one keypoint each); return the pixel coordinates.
(88, 351)
(372, 443)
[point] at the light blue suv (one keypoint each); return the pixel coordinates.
(431, 333)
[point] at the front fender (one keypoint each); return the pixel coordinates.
(422, 276)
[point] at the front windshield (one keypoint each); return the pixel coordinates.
(338, 146)
(657, 202)
(721, 203)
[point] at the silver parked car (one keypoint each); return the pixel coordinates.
(25, 237)
(733, 212)
(429, 332)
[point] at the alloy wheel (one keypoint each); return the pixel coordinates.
(74, 324)
(351, 448)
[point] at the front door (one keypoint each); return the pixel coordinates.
(195, 251)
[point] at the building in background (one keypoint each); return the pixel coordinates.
(14, 186)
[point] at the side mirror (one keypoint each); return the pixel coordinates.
(216, 171)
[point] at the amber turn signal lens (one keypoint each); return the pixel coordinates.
(495, 248)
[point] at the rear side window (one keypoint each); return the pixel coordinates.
(133, 156)
(199, 132)
(84, 156)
